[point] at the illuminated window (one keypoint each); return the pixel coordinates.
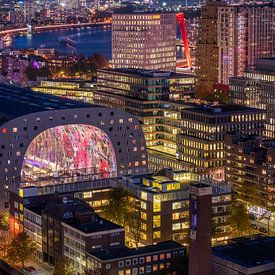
(143, 205)
(143, 195)
(143, 215)
(156, 203)
(156, 235)
(176, 226)
(156, 221)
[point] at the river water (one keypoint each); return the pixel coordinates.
(87, 41)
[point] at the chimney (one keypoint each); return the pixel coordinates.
(200, 218)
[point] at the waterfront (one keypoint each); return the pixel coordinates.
(87, 41)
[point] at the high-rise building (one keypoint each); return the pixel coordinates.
(257, 89)
(155, 97)
(144, 40)
(245, 33)
(232, 37)
(29, 8)
(207, 53)
(201, 142)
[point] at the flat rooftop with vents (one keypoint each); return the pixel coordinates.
(247, 255)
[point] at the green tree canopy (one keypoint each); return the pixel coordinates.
(239, 219)
(64, 266)
(118, 207)
(21, 248)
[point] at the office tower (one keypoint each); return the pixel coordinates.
(232, 37)
(155, 97)
(201, 142)
(144, 40)
(250, 168)
(29, 8)
(257, 89)
(245, 33)
(200, 252)
(207, 53)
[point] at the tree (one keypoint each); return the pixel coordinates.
(117, 208)
(32, 73)
(239, 219)
(64, 266)
(20, 249)
(4, 221)
(134, 225)
(248, 192)
(4, 245)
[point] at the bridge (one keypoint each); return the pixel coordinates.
(53, 27)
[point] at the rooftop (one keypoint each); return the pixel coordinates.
(98, 225)
(217, 110)
(148, 73)
(128, 252)
(248, 251)
(16, 102)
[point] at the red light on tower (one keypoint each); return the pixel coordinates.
(181, 21)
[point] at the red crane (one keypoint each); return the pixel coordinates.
(181, 21)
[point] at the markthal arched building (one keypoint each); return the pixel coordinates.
(46, 141)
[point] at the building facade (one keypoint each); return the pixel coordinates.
(144, 41)
(235, 35)
(207, 52)
(201, 142)
(245, 33)
(43, 136)
(149, 96)
(162, 258)
(250, 168)
(162, 201)
(257, 89)
(76, 90)
(67, 227)
(243, 256)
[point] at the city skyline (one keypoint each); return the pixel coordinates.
(137, 138)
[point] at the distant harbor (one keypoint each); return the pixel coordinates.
(83, 41)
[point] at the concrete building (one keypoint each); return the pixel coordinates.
(243, 256)
(207, 52)
(250, 169)
(162, 258)
(201, 142)
(233, 36)
(148, 95)
(162, 201)
(45, 139)
(71, 89)
(245, 33)
(70, 228)
(257, 89)
(144, 40)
